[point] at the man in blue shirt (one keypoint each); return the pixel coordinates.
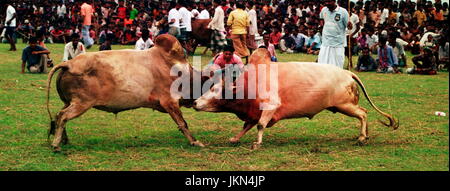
(34, 57)
(335, 21)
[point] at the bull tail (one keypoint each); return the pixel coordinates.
(51, 131)
(392, 122)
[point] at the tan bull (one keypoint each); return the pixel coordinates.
(119, 80)
(303, 90)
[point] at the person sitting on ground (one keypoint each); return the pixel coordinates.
(225, 60)
(34, 57)
(41, 38)
(275, 37)
(387, 61)
(144, 42)
(443, 53)
(73, 48)
(425, 63)
(287, 43)
(108, 41)
(270, 47)
(312, 45)
(399, 49)
(365, 61)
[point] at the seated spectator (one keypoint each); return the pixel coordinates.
(144, 42)
(57, 35)
(106, 45)
(424, 63)
(73, 48)
(34, 57)
(129, 36)
(387, 61)
(429, 43)
(398, 45)
(312, 45)
(270, 47)
(275, 37)
(366, 62)
(287, 43)
(372, 40)
(227, 59)
(299, 40)
(361, 41)
(41, 38)
(443, 53)
(415, 45)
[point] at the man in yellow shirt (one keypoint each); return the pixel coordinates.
(239, 22)
(420, 16)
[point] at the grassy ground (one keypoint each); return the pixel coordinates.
(143, 139)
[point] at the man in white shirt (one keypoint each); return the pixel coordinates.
(73, 48)
(217, 24)
(204, 14)
(185, 25)
(61, 10)
(144, 42)
(174, 19)
(352, 33)
(10, 25)
(384, 14)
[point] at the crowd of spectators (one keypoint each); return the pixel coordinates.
(288, 25)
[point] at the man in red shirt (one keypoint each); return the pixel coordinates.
(121, 10)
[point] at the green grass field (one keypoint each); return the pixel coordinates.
(144, 139)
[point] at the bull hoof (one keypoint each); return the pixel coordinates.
(234, 140)
(256, 146)
(197, 144)
(56, 149)
(362, 141)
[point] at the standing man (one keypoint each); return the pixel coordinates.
(334, 22)
(10, 24)
(174, 19)
(185, 26)
(217, 25)
(352, 34)
(253, 29)
(239, 22)
(87, 12)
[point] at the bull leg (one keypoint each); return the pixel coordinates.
(246, 128)
(172, 107)
(266, 116)
(360, 113)
(72, 111)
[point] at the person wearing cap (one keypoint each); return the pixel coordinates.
(335, 22)
(73, 48)
(34, 57)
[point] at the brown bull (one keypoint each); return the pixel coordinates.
(119, 80)
(303, 90)
(201, 34)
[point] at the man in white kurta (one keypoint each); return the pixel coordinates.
(73, 48)
(335, 21)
